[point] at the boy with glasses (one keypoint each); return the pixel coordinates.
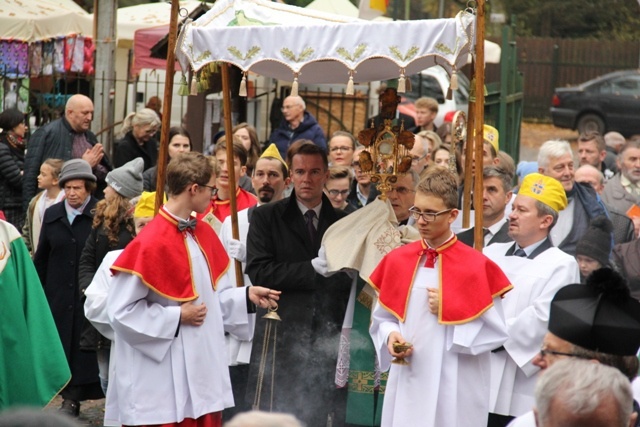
(450, 317)
(338, 187)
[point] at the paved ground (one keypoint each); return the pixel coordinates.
(532, 136)
(91, 411)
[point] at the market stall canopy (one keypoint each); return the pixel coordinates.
(292, 43)
(37, 20)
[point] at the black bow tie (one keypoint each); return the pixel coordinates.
(189, 224)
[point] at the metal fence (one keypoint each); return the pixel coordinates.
(548, 63)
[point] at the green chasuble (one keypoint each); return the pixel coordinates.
(364, 399)
(33, 366)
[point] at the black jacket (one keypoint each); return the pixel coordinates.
(312, 308)
(352, 198)
(95, 249)
(127, 149)
(11, 166)
(501, 236)
(52, 141)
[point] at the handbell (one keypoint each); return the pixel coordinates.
(272, 315)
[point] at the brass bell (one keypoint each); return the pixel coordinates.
(272, 315)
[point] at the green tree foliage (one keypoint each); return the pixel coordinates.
(610, 19)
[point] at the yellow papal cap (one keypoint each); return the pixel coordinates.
(146, 205)
(491, 135)
(544, 189)
(272, 151)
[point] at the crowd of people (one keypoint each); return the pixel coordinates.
(389, 317)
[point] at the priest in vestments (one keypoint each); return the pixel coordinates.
(34, 367)
(444, 299)
(170, 303)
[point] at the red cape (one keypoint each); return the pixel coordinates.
(160, 258)
(468, 281)
(222, 208)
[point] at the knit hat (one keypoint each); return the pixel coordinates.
(599, 316)
(544, 189)
(127, 179)
(75, 169)
(272, 152)
(596, 240)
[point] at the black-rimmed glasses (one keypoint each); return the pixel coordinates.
(427, 216)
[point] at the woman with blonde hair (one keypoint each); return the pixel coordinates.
(137, 139)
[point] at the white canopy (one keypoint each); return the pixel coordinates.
(34, 20)
(284, 42)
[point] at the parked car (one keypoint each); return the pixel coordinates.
(608, 103)
(434, 82)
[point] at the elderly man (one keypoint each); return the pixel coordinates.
(270, 178)
(578, 393)
(284, 237)
(420, 154)
(67, 138)
(555, 159)
(537, 270)
(592, 151)
(622, 192)
(599, 321)
(614, 142)
(402, 196)
(623, 230)
(342, 147)
(496, 194)
(296, 124)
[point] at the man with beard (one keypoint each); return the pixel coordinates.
(270, 178)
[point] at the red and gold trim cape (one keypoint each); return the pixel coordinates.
(468, 281)
(222, 208)
(159, 256)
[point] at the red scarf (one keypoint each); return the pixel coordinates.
(468, 281)
(160, 258)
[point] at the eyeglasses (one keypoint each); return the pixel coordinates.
(544, 352)
(416, 159)
(427, 216)
(213, 189)
(401, 190)
(336, 193)
(334, 149)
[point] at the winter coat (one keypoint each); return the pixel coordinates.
(11, 166)
(56, 261)
(94, 251)
(127, 149)
(52, 141)
(309, 129)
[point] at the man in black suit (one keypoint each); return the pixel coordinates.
(284, 237)
(496, 194)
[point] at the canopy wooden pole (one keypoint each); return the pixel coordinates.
(478, 125)
(468, 161)
(228, 137)
(166, 105)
